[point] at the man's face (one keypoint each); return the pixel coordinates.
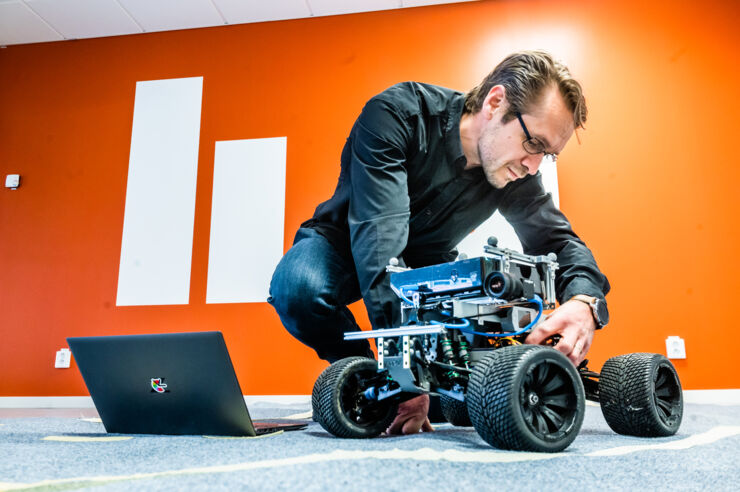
(500, 144)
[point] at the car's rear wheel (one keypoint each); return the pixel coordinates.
(640, 395)
(455, 411)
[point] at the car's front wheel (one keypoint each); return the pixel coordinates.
(339, 401)
(526, 398)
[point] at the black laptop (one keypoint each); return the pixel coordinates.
(175, 383)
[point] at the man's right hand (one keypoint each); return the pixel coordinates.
(412, 417)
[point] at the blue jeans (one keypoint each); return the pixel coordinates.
(310, 290)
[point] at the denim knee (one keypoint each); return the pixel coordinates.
(310, 313)
(310, 289)
(295, 295)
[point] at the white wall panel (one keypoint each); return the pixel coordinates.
(156, 249)
(247, 219)
(497, 226)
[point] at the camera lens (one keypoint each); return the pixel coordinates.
(500, 285)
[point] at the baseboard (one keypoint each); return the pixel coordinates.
(702, 397)
(86, 401)
(713, 397)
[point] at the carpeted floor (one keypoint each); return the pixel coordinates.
(66, 453)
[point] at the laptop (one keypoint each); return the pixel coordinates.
(174, 383)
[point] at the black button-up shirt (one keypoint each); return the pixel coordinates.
(403, 192)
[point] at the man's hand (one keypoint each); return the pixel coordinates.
(575, 323)
(411, 417)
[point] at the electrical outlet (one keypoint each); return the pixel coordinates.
(64, 357)
(12, 181)
(675, 347)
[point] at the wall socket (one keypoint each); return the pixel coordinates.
(12, 181)
(675, 347)
(64, 357)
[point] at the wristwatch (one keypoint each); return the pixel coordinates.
(598, 308)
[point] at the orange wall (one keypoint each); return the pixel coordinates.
(652, 187)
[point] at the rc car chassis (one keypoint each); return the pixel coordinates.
(462, 334)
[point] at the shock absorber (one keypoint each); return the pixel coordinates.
(447, 352)
(462, 351)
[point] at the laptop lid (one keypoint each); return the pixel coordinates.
(174, 383)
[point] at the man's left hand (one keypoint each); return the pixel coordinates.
(411, 417)
(575, 323)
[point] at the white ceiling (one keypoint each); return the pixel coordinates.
(35, 21)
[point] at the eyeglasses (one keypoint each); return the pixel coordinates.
(532, 144)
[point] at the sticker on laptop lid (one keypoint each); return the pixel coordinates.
(158, 385)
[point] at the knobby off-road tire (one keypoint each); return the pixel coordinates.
(640, 395)
(315, 395)
(526, 398)
(455, 411)
(339, 405)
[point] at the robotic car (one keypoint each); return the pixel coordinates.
(462, 334)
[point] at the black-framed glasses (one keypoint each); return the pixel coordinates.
(533, 145)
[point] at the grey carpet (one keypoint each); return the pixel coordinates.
(451, 458)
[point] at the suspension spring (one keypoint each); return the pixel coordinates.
(447, 352)
(462, 351)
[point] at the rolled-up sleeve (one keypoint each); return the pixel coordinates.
(378, 205)
(542, 229)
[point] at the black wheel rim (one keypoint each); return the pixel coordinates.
(355, 407)
(548, 401)
(667, 395)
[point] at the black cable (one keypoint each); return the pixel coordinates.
(450, 367)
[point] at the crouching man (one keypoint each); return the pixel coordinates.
(423, 166)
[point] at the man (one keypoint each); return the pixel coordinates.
(422, 167)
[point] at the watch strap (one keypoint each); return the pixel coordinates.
(591, 301)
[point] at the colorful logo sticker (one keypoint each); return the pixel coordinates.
(158, 385)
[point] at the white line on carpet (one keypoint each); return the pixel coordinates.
(423, 454)
(87, 438)
(712, 435)
(304, 415)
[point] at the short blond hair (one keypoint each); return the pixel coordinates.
(525, 75)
